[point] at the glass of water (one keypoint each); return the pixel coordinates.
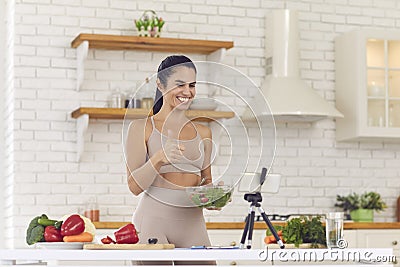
(334, 229)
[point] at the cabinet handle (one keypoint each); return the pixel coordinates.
(233, 243)
(233, 263)
(394, 243)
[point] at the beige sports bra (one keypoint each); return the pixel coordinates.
(193, 155)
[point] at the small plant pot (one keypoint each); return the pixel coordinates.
(362, 215)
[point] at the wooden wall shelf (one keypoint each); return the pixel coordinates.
(121, 42)
(138, 113)
(215, 50)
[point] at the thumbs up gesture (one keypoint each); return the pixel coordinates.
(171, 151)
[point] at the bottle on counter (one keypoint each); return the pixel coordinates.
(92, 210)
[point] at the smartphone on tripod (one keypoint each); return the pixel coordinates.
(255, 198)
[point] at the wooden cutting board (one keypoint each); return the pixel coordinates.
(129, 246)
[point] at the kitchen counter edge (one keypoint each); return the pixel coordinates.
(262, 225)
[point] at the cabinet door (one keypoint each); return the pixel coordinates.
(380, 239)
(368, 85)
(233, 237)
(351, 238)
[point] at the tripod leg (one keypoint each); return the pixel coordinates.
(246, 229)
(271, 227)
(251, 227)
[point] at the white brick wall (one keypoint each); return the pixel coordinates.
(315, 167)
(9, 172)
(2, 108)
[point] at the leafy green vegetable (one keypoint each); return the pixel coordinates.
(304, 230)
(293, 232)
(314, 231)
(211, 197)
(35, 231)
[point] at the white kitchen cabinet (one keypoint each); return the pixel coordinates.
(382, 238)
(351, 238)
(232, 238)
(367, 64)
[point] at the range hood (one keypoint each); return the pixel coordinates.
(289, 97)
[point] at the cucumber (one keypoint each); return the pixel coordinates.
(47, 222)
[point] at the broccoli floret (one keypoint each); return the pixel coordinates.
(35, 231)
(35, 235)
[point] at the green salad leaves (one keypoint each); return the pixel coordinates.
(211, 197)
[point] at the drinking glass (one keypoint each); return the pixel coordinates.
(334, 229)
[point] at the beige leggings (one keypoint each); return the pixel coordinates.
(182, 226)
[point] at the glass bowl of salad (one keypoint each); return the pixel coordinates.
(210, 196)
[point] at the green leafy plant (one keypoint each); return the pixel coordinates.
(313, 231)
(293, 232)
(349, 202)
(367, 200)
(149, 24)
(373, 201)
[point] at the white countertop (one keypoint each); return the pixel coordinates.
(339, 256)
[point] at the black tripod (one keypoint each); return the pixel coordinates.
(255, 199)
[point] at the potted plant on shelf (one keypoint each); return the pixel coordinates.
(149, 24)
(361, 207)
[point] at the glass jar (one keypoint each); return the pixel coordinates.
(147, 97)
(117, 99)
(147, 102)
(133, 101)
(92, 210)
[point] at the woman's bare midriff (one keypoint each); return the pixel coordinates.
(177, 180)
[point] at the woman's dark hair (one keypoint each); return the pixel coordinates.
(164, 71)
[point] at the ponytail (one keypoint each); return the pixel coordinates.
(158, 101)
(165, 70)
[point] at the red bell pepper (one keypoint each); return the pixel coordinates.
(107, 240)
(126, 235)
(73, 225)
(52, 234)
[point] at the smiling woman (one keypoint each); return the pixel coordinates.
(165, 154)
(164, 80)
